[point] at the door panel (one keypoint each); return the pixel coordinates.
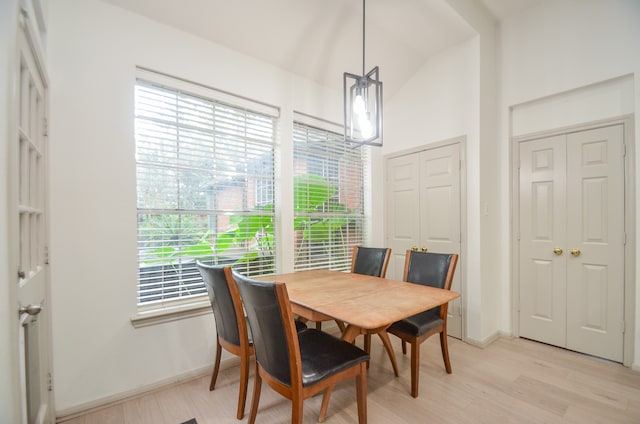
(403, 221)
(542, 210)
(440, 215)
(595, 284)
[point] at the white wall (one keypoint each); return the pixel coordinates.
(559, 51)
(95, 48)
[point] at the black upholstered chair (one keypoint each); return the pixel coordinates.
(435, 270)
(296, 364)
(232, 331)
(370, 260)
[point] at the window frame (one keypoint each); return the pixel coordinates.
(335, 134)
(170, 309)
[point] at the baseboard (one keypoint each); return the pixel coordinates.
(487, 340)
(97, 404)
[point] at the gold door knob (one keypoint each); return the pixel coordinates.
(575, 252)
(424, 248)
(557, 251)
(414, 248)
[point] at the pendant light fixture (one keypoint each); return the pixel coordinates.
(363, 103)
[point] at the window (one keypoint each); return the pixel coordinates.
(328, 198)
(205, 180)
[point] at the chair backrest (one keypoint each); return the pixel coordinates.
(370, 260)
(275, 338)
(227, 308)
(430, 269)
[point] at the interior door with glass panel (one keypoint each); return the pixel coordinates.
(32, 279)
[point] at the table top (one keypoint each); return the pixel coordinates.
(363, 301)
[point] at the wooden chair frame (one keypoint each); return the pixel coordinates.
(296, 392)
(244, 350)
(415, 342)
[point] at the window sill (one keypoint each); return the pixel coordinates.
(161, 316)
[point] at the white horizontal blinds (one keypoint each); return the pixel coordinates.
(205, 190)
(328, 199)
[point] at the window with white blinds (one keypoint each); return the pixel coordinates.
(205, 190)
(328, 199)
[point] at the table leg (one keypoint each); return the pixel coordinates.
(387, 345)
(350, 333)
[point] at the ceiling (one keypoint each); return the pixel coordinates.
(321, 39)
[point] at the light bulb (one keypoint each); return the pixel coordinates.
(358, 106)
(366, 129)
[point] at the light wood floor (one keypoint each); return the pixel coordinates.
(511, 381)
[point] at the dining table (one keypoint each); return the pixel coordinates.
(366, 304)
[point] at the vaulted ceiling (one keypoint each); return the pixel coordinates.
(321, 39)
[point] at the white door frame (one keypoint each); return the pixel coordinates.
(630, 223)
(462, 142)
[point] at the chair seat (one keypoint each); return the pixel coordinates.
(324, 355)
(418, 324)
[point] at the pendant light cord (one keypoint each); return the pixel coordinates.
(363, 34)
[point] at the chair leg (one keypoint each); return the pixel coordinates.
(340, 325)
(361, 394)
(297, 404)
(444, 346)
(415, 367)
(325, 404)
(404, 347)
(244, 383)
(257, 385)
(319, 325)
(216, 366)
(367, 343)
(387, 345)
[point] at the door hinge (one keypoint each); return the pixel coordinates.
(49, 382)
(46, 255)
(624, 150)
(45, 127)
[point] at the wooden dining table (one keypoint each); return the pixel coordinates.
(368, 305)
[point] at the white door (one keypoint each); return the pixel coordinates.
(440, 215)
(423, 192)
(572, 241)
(30, 153)
(403, 210)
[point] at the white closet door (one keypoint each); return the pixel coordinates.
(423, 211)
(403, 210)
(595, 227)
(440, 215)
(543, 293)
(572, 241)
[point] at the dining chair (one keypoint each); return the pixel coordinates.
(232, 331)
(435, 270)
(300, 364)
(371, 261)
